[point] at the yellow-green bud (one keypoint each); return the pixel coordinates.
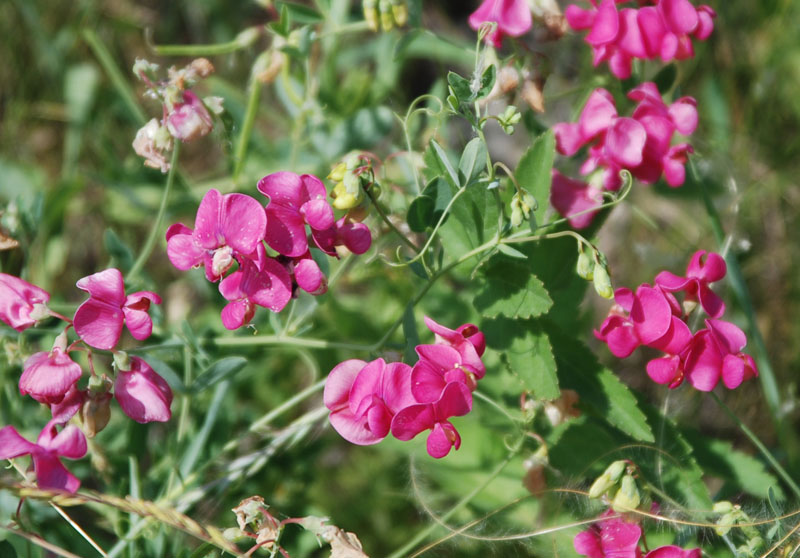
(725, 523)
(608, 479)
(337, 174)
(602, 281)
(585, 267)
(723, 507)
(387, 19)
(400, 12)
(628, 497)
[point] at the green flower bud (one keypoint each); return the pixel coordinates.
(628, 497)
(585, 267)
(370, 8)
(723, 507)
(602, 281)
(387, 19)
(608, 479)
(400, 12)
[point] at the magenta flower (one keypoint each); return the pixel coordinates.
(364, 397)
(513, 18)
(21, 303)
(577, 201)
(69, 406)
(612, 538)
(716, 353)
(672, 551)
(143, 395)
(48, 376)
(704, 268)
(294, 201)
(468, 340)
(98, 321)
(455, 401)
(49, 447)
(259, 282)
(190, 119)
(226, 227)
(437, 367)
(356, 237)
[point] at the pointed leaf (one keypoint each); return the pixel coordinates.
(534, 171)
(511, 290)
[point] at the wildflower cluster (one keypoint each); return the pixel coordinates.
(640, 144)
(185, 116)
(52, 377)
(236, 228)
(664, 30)
(652, 316)
(514, 18)
(368, 400)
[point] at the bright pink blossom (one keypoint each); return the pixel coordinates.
(356, 237)
(190, 119)
(672, 551)
(513, 18)
(617, 538)
(364, 397)
(294, 201)
(226, 227)
(437, 367)
(47, 376)
(577, 201)
(716, 353)
(703, 269)
(143, 395)
(455, 401)
(98, 321)
(21, 303)
(259, 282)
(49, 447)
(468, 340)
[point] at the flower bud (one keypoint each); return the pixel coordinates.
(371, 14)
(608, 479)
(400, 12)
(585, 267)
(602, 281)
(95, 413)
(338, 172)
(532, 95)
(151, 141)
(122, 362)
(628, 497)
(144, 67)
(190, 119)
(387, 19)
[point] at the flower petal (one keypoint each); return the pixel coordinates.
(99, 324)
(12, 444)
(51, 473)
(244, 222)
(104, 285)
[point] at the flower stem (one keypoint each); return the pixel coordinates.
(761, 447)
(155, 231)
(247, 126)
(290, 341)
(425, 533)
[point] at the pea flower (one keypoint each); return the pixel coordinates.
(617, 538)
(98, 321)
(226, 227)
(468, 340)
(21, 303)
(143, 395)
(576, 200)
(716, 353)
(364, 397)
(48, 376)
(46, 453)
(704, 268)
(305, 274)
(355, 237)
(513, 18)
(294, 201)
(189, 119)
(260, 282)
(439, 366)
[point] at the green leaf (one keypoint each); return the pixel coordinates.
(534, 171)
(473, 161)
(217, 372)
(666, 77)
(121, 254)
(427, 208)
(581, 447)
(527, 353)
(511, 290)
(511, 252)
(460, 87)
(487, 81)
(445, 163)
(298, 13)
(743, 472)
(200, 440)
(599, 388)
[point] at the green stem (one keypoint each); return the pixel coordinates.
(425, 533)
(243, 141)
(118, 81)
(156, 230)
(389, 223)
(766, 374)
(199, 50)
(761, 447)
(290, 341)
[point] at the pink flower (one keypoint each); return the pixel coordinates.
(577, 201)
(98, 321)
(716, 353)
(226, 227)
(455, 401)
(190, 119)
(612, 538)
(294, 201)
(364, 397)
(356, 237)
(263, 282)
(704, 268)
(21, 304)
(47, 376)
(143, 395)
(513, 18)
(439, 366)
(49, 447)
(672, 551)
(468, 340)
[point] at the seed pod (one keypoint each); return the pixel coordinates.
(628, 497)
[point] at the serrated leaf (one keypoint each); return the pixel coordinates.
(577, 447)
(742, 471)
(473, 161)
(444, 161)
(598, 387)
(218, 371)
(535, 169)
(511, 290)
(528, 353)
